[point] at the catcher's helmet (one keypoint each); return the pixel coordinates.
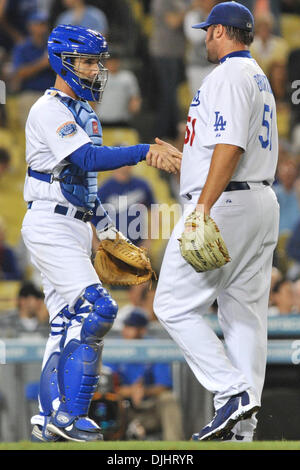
(67, 43)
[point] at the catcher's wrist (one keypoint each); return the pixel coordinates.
(108, 232)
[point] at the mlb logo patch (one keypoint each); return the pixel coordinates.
(68, 129)
(95, 127)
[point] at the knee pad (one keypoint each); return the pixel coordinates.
(103, 310)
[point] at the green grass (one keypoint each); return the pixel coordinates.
(157, 445)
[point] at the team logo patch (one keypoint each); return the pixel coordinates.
(196, 99)
(95, 127)
(68, 129)
(220, 124)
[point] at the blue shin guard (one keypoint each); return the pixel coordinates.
(48, 384)
(48, 387)
(78, 369)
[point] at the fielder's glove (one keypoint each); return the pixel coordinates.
(118, 262)
(201, 244)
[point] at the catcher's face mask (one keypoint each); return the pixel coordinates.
(90, 73)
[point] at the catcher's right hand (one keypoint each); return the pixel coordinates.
(164, 156)
(201, 243)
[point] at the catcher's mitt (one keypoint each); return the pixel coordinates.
(121, 263)
(201, 243)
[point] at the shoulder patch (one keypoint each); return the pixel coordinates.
(68, 129)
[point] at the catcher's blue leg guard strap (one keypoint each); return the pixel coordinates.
(48, 384)
(48, 389)
(79, 362)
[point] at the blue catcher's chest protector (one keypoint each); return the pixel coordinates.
(80, 187)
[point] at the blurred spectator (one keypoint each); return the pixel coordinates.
(148, 388)
(262, 6)
(283, 298)
(9, 270)
(166, 48)
(13, 21)
(4, 161)
(279, 81)
(293, 68)
(293, 252)
(136, 295)
(140, 298)
(122, 98)
(44, 5)
(267, 47)
(290, 6)
(287, 173)
(4, 56)
(122, 25)
(128, 200)
(80, 14)
(280, 86)
(197, 65)
(296, 289)
(275, 277)
(30, 316)
(32, 74)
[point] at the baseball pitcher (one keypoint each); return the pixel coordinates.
(222, 248)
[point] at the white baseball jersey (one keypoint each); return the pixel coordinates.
(235, 105)
(51, 135)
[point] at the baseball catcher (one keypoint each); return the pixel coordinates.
(64, 153)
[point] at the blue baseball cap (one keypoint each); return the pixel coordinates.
(229, 14)
(136, 318)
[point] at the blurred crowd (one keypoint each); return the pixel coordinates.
(157, 64)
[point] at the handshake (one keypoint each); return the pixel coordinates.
(164, 156)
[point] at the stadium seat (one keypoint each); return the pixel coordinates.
(12, 112)
(113, 136)
(12, 141)
(8, 294)
(290, 27)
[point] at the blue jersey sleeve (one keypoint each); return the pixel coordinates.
(91, 157)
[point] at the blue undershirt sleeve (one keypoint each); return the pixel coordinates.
(90, 157)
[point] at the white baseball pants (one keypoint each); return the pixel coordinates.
(248, 221)
(60, 248)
